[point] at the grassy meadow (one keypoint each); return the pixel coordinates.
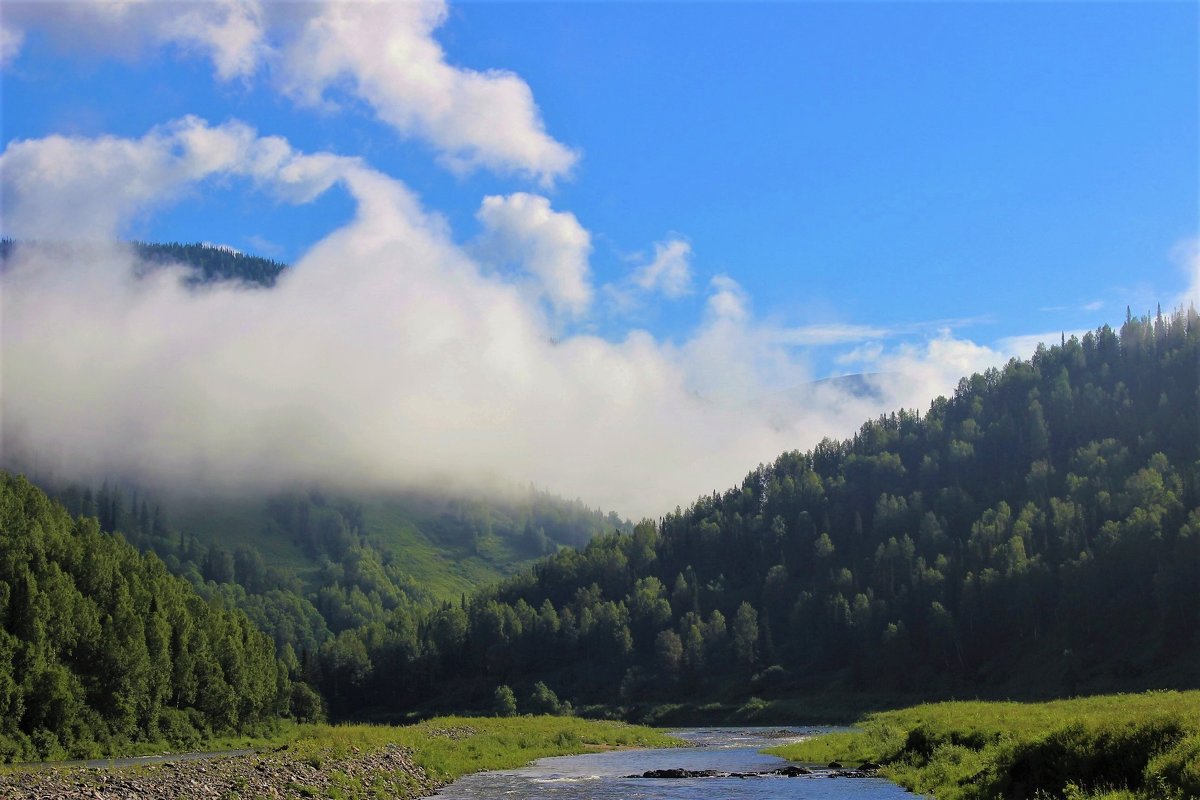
(447, 747)
(1111, 747)
(350, 762)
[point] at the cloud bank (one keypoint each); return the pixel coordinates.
(390, 354)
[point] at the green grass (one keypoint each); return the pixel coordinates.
(826, 708)
(447, 747)
(1112, 747)
(442, 569)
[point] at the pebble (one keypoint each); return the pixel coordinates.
(275, 776)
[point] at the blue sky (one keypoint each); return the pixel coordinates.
(857, 184)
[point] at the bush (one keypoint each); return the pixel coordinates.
(543, 700)
(504, 702)
(1112, 755)
(306, 704)
(176, 727)
(1176, 772)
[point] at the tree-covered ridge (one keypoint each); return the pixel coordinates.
(315, 569)
(211, 263)
(101, 647)
(208, 263)
(1040, 529)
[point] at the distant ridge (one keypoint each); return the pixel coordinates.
(209, 263)
(212, 263)
(862, 384)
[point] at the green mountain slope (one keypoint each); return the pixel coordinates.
(101, 648)
(307, 564)
(1037, 533)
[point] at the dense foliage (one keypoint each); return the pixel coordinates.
(1039, 529)
(306, 566)
(211, 263)
(1116, 747)
(207, 263)
(100, 647)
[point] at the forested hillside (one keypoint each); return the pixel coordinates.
(212, 263)
(208, 263)
(307, 564)
(1037, 531)
(102, 648)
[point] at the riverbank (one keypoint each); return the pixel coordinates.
(344, 761)
(829, 708)
(1113, 747)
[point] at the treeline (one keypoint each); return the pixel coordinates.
(208, 263)
(211, 264)
(1038, 529)
(102, 648)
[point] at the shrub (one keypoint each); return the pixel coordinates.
(1176, 772)
(504, 702)
(543, 700)
(306, 704)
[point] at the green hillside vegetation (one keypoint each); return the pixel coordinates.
(211, 264)
(1037, 533)
(1114, 747)
(307, 567)
(348, 762)
(207, 263)
(101, 649)
(449, 747)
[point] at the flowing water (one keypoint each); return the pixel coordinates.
(603, 776)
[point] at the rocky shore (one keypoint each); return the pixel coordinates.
(389, 772)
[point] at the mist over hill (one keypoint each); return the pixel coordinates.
(383, 363)
(1037, 533)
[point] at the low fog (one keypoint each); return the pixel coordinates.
(390, 355)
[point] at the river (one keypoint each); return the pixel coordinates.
(603, 776)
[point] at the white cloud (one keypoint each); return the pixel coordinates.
(93, 188)
(670, 271)
(11, 40)
(829, 333)
(386, 356)
(867, 354)
(1187, 255)
(380, 52)
(230, 32)
(384, 54)
(522, 228)
(914, 373)
(728, 300)
(1023, 346)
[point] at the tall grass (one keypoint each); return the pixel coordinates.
(1112, 747)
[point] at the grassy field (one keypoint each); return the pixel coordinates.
(828, 708)
(447, 747)
(1111, 747)
(345, 762)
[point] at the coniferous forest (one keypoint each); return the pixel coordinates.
(101, 647)
(1038, 533)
